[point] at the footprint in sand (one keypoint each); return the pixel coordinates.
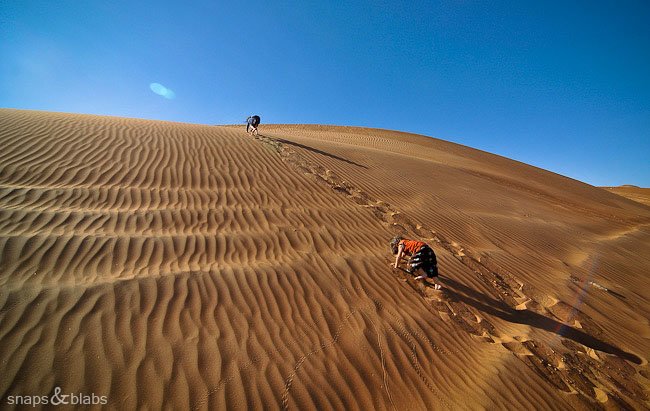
(517, 348)
(522, 305)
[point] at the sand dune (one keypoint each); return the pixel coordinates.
(168, 265)
(638, 194)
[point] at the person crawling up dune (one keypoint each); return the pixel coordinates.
(251, 124)
(421, 257)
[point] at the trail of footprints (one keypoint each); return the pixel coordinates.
(596, 378)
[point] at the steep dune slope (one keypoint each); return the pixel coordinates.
(191, 266)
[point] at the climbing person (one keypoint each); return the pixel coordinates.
(251, 124)
(421, 257)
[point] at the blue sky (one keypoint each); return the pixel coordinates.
(560, 85)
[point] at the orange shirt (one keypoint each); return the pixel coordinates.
(411, 246)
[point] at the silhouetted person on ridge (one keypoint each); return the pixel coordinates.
(251, 124)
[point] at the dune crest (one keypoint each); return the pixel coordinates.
(196, 267)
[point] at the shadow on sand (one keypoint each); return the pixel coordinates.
(462, 293)
(314, 150)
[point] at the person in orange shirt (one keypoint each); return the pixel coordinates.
(421, 257)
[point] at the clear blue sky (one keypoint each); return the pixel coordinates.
(563, 85)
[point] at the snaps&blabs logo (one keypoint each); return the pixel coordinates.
(58, 398)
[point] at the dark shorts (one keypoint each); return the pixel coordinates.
(425, 259)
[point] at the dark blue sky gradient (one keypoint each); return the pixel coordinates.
(560, 85)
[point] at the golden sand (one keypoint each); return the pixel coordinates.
(185, 266)
(638, 194)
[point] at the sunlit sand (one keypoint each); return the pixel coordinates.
(187, 266)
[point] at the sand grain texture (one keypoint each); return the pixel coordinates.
(195, 267)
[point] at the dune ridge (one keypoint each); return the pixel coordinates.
(186, 266)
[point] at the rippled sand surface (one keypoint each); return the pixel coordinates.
(168, 265)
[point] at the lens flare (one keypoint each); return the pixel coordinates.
(162, 90)
(584, 284)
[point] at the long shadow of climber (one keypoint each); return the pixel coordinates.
(464, 294)
(314, 150)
